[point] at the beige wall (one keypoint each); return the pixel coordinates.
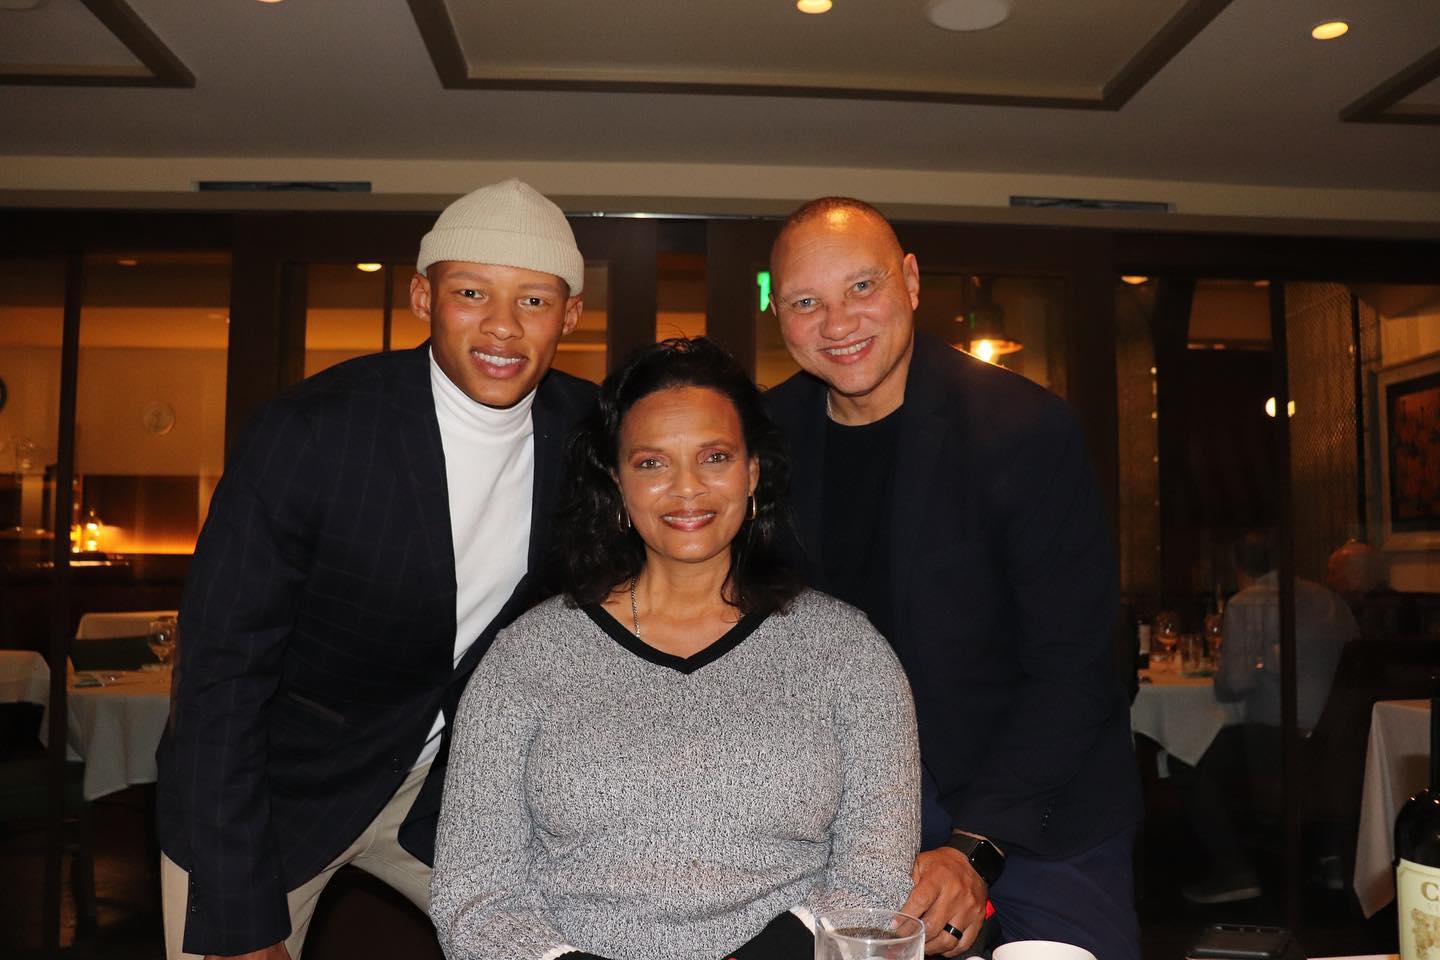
(32, 377)
(115, 388)
(694, 188)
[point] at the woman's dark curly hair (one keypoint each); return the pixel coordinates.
(595, 554)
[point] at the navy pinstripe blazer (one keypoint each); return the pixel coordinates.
(318, 632)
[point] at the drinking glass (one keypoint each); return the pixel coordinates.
(162, 639)
(1214, 634)
(1167, 635)
(1192, 653)
(868, 935)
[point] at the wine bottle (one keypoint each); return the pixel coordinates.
(1417, 856)
(1142, 639)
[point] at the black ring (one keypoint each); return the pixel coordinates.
(950, 929)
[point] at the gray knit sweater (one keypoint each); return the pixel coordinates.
(606, 797)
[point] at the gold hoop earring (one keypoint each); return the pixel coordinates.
(754, 507)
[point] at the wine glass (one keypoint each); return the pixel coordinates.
(1214, 635)
(162, 639)
(861, 934)
(1167, 632)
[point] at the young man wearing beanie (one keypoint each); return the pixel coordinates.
(377, 524)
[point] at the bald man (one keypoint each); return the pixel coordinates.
(954, 502)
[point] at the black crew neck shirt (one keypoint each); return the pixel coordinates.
(855, 512)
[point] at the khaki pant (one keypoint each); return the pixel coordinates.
(377, 851)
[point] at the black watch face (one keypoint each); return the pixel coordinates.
(986, 860)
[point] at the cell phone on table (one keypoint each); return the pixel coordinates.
(1237, 941)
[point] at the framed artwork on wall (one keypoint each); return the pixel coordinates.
(1409, 428)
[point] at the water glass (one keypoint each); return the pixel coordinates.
(869, 935)
(1192, 653)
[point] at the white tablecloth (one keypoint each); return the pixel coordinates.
(127, 623)
(1395, 768)
(24, 677)
(1181, 714)
(115, 728)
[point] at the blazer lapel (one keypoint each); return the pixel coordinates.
(923, 430)
(551, 431)
(807, 478)
(415, 436)
(520, 600)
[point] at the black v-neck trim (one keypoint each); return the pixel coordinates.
(731, 639)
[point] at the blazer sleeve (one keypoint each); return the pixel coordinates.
(246, 577)
(876, 831)
(482, 901)
(1053, 544)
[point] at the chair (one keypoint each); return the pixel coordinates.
(111, 653)
(1332, 758)
(25, 802)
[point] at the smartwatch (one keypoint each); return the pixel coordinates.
(988, 862)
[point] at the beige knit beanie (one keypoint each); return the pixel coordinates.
(510, 224)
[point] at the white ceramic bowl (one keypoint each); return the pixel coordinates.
(1041, 950)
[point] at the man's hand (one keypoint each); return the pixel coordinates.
(947, 890)
(274, 952)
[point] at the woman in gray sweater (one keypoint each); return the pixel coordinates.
(687, 755)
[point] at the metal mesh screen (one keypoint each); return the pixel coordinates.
(1139, 520)
(1371, 362)
(1322, 440)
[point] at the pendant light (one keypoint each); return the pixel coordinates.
(983, 325)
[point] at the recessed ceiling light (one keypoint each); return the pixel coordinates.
(269, 1)
(1135, 280)
(967, 16)
(369, 267)
(128, 262)
(813, 6)
(1330, 30)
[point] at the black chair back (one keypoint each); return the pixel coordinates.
(111, 653)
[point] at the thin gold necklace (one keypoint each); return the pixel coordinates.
(635, 607)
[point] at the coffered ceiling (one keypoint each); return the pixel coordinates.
(1230, 91)
(864, 49)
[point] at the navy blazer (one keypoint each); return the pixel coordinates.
(1003, 596)
(318, 636)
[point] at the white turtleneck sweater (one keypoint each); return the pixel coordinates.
(490, 476)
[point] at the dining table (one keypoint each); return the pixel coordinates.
(1396, 767)
(114, 718)
(24, 677)
(1180, 713)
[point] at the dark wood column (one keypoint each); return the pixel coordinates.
(735, 249)
(258, 345)
(634, 287)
